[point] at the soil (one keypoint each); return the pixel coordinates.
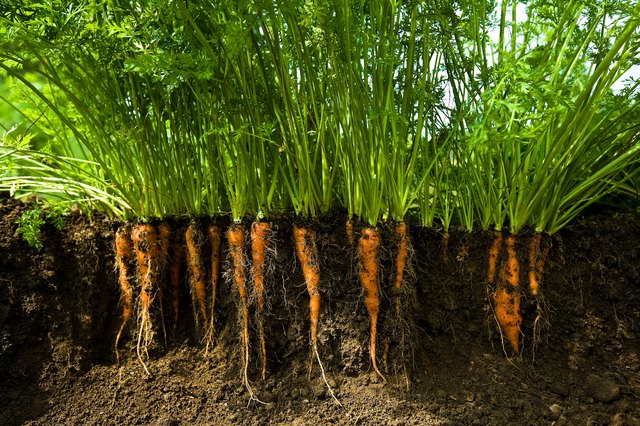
(579, 362)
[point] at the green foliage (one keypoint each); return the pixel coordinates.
(470, 113)
(30, 225)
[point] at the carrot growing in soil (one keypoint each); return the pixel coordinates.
(307, 253)
(235, 237)
(260, 236)
(401, 262)
(164, 239)
(401, 265)
(368, 246)
(507, 296)
(197, 274)
(124, 252)
(145, 244)
(350, 233)
(214, 240)
(494, 253)
(536, 263)
(175, 276)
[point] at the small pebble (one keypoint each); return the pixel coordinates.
(555, 410)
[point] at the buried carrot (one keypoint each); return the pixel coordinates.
(368, 245)
(164, 241)
(175, 271)
(401, 265)
(536, 263)
(235, 237)
(124, 252)
(401, 262)
(494, 253)
(350, 232)
(145, 244)
(307, 253)
(507, 296)
(197, 275)
(260, 236)
(214, 240)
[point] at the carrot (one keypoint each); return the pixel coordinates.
(494, 253)
(536, 263)
(368, 245)
(445, 247)
(401, 262)
(214, 240)
(307, 253)
(197, 274)
(145, 244)
(350, 233)
(260, 235)
(164, 241)
(235, 237)
(124, 252)
(507, 296)
(175, 271)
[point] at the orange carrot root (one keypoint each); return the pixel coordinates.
(401, 262)
(175, 277)
(445, 247)
(307, 253)
(197, 275)
(350, 232)
(507, 296)
(164, 241)
(536, 264)
(260, 236)
(124, 254)
(494, 253)
(368, 245)
(214, 240)
(145, 244)
(236, 239)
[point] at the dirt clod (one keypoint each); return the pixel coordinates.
(601, 389)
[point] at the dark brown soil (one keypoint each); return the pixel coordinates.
(579, 364)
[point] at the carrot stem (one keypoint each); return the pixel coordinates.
(368, 245)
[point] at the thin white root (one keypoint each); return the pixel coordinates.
(324, 377)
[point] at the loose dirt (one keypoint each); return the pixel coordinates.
(580, 362)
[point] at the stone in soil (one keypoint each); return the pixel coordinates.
(601, 389)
